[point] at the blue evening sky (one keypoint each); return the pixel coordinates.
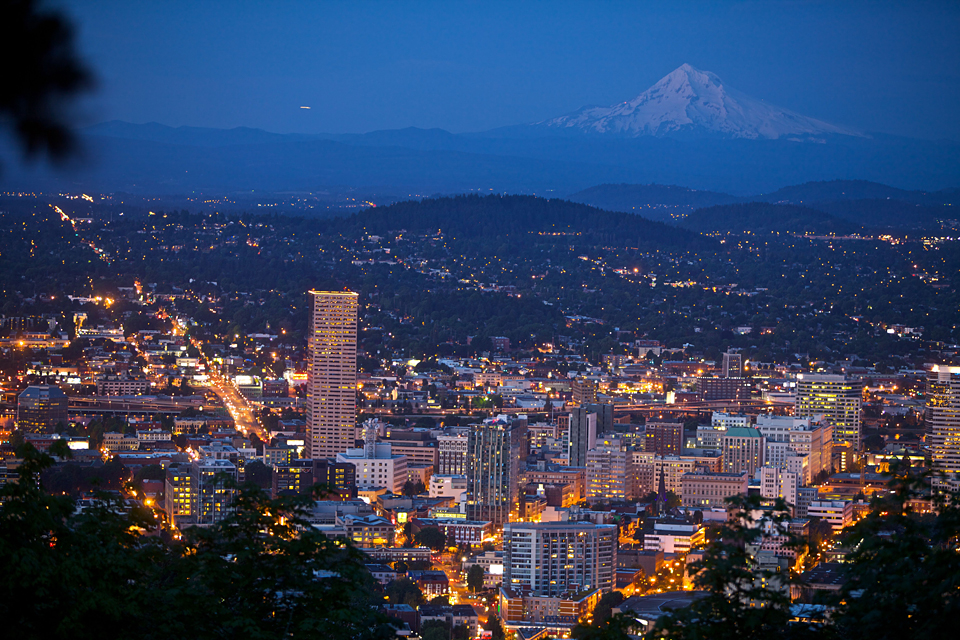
(891, 67)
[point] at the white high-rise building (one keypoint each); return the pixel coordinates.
(607, 470)
(332, 373)
(789, 437)
(777, 483)
(943, 422)
(376, 464)
(559, 558)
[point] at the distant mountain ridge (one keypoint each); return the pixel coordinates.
(860, 202)
(689, 128)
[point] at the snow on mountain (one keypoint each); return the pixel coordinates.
(697, 102)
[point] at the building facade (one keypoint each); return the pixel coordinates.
(495, 453)
(607, 470)
(559, 558)
(706, 490)
(943, 422)
(743, 450)
(41, 408)
(835, 397)
(332, 373)
(452, 454)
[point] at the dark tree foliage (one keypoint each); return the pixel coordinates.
(405, 591)
(430, 537)
(475, 578)
(904, 568)
(435, 630)
(263, 572)
(259, 474)
(742, 600)
(495, 626)
(42, 71)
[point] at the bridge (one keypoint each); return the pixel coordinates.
(131, 405)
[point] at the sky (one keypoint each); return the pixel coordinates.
(887, 67)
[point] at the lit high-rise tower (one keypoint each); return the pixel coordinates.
(943, 422)
(837, 398)
(332, 373)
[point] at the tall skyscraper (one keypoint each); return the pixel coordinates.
(559, 558)
(495, 451)
(332, 373)
(835, 397)
(583, 435)
(943, 421)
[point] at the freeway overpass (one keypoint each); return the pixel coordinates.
(132, 405)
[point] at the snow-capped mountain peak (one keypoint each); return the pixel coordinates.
(691, 101)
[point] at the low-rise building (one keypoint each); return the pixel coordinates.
(838, 513)
(706, 490)
(674, 535)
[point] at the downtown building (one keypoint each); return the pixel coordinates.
(943, 424)
(41, 408)
(376, 464)
(607, 471)
(799, 445)
(332, 373)
(743, 450)
(559, 558)
(199, 493)
(496, 450)
(835, 397)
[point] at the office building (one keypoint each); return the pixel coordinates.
(710, 389)
(604, 416)
(835, 397)
(211, 481)
(180, 501)
(559, 558)
(332, 373)
(584, 391)
(452, 454)
(674, 535)
(41, 408)
(780, 483)
(837, 513)
(743, 450)
(376, 464)
(339, 478)
(708, 436)
(732, 365)
(583, 435)
(664, 438)
(788, 438)
(607, 471)
(496, 449)
(702, 490)
(943, 422)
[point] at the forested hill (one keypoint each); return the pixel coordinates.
(474, 216)
(762, 217)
